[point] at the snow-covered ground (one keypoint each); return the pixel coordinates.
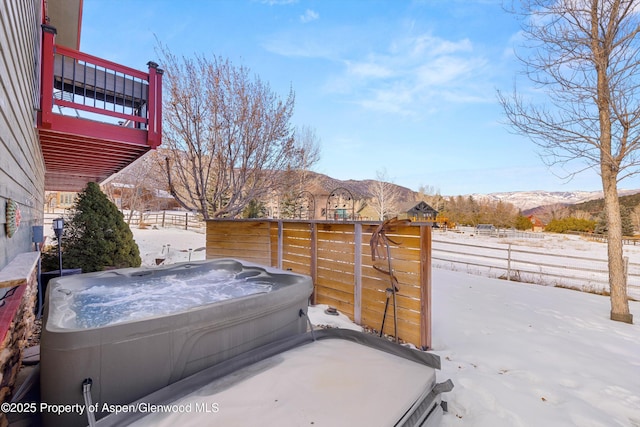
(518, 354)
(169, 245)
(550, 259)
(529, 355)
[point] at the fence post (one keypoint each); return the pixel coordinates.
(626, 272)
(357, 271)
(164, 213)
(186, 221)
(509, 263)
(425, 287)
(280, 242)
(314, 259)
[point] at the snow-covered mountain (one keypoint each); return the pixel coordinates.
(530, 199)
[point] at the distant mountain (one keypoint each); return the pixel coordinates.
(320, 184)
(526, 200)
(596, 206)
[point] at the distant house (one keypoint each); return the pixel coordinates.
(59, 200)
(139, 197)
(420, 212)
(536, 224)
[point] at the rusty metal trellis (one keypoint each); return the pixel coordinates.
(340, 205)
(380, 240)
(305, 205)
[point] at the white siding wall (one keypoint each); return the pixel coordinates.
(21, 162)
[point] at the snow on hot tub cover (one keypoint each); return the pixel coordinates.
(342, 377)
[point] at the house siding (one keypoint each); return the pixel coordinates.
(21, 180)
(21, 161)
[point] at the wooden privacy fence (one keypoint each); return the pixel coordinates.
(337, 256)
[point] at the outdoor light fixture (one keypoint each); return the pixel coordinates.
(58, 227)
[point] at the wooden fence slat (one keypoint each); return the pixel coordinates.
(335, 279)
(296, 268)
(295, 234)
(337, 256)
(297, 258)
(403, 301)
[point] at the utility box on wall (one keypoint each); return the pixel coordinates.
(38, 234)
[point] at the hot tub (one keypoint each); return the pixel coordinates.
(134, 331)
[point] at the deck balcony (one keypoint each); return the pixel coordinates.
(96, 117)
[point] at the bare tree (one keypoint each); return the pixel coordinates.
(306, 153)
(585, 58)
(384, 195)
(135, 188)
(635, 217)
(464, 210)
(502, 214)
(431, 196)
(307, 146)
(228, 135)
(582, 215)
(50, 200)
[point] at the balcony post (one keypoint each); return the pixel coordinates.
(159, 73)
(154, 126)
(46, 77)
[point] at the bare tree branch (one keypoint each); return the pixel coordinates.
(583, 57)
(384, 196)
(228, 135)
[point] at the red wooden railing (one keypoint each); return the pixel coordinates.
(109, 92)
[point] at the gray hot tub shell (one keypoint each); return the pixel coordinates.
(130, 359)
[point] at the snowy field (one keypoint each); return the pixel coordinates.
(518, 354)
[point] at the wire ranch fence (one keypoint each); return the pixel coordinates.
(532, 265)
(165, 219)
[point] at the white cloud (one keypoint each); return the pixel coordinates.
(310, 42)
(415, 74)
(309, 15)
(393, 100)
(278, 2)
(368, 69)
(291, 46)
(403, 74)
(434, 46)
(446, 70)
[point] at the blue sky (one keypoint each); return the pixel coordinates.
(403, 86)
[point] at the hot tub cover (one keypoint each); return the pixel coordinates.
(330, 377)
